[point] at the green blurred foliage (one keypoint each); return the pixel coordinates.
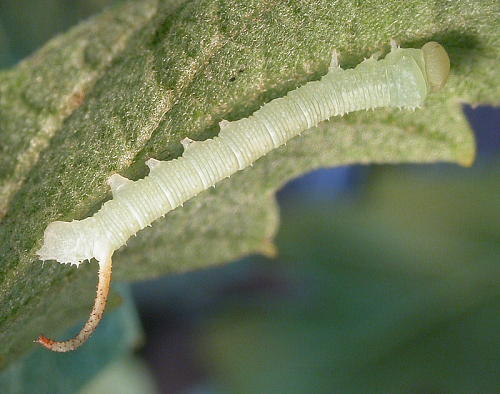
(128, 375)
(26, 25)
(396, 293)
(44, 372)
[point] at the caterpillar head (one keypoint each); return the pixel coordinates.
(67, 242)
(437, 65)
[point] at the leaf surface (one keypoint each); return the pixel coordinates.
(132, 82)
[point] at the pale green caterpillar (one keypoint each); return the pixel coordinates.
(402, 79)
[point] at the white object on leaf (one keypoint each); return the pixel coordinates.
(401, 80)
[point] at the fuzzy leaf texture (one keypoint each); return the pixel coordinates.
(131, 83)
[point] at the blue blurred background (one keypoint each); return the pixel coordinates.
(386, 282)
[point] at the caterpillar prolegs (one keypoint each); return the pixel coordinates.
(402, 79)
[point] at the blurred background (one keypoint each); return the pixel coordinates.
(386, 281)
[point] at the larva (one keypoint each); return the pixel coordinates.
(402, 79)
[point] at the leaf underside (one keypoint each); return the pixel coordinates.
(130, 83)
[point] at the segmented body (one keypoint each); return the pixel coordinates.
(399, 80)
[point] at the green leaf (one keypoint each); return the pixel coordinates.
(131, 83)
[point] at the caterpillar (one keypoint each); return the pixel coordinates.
(402, 79)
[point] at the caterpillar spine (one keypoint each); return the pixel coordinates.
(403, 79)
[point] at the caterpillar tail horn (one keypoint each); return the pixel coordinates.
(94, 318)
